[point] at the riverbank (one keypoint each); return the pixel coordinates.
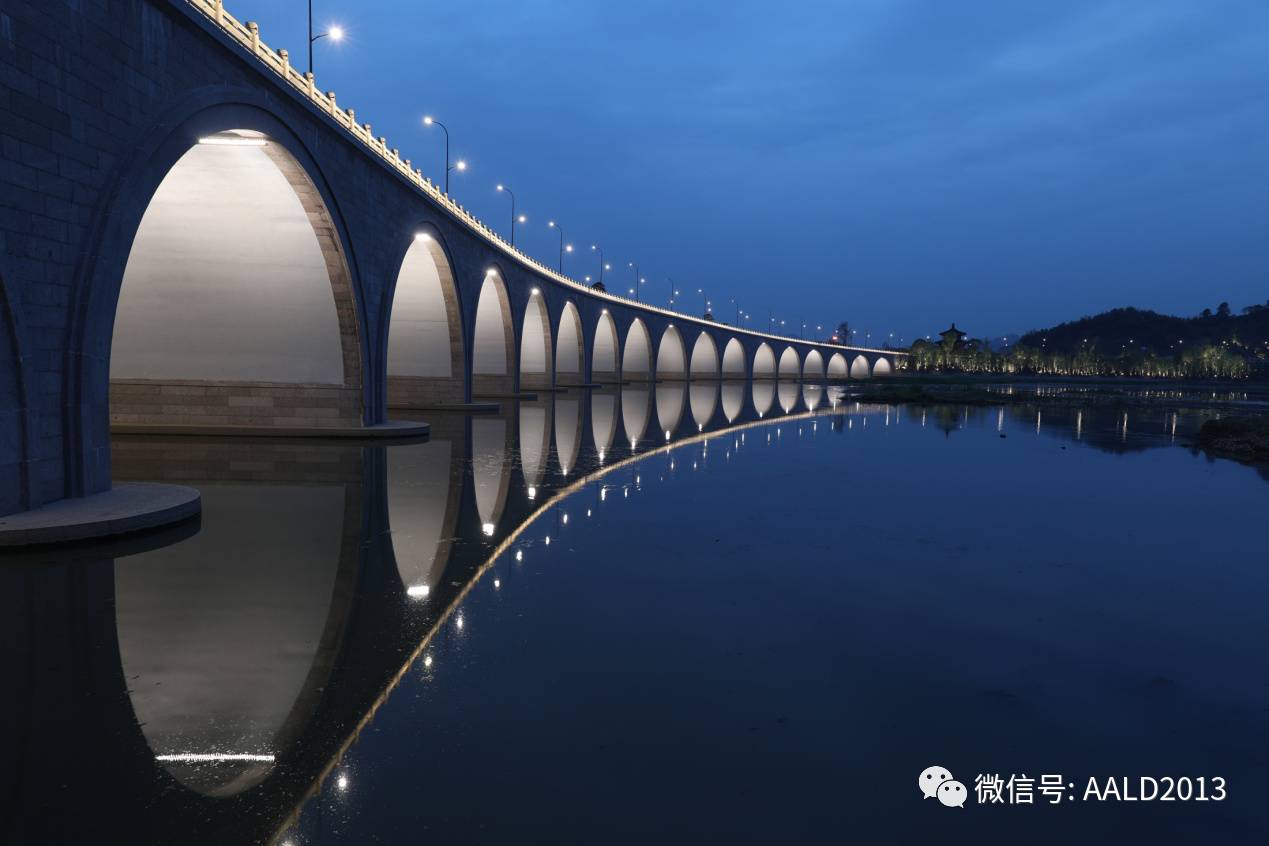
(1241, 430)
(975, 389)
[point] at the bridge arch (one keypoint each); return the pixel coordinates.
(425, 334)
(97, 285)
(764, 362)
(493, 341)
(535, 343)
(570, 349)
(671, 355)
(882, 368)
(790, 368)
(259, 327)
(704, 363)
(604, 357)
(837, 367)
(734, 359)
(859, 368)
(636, 359)
(813, 366)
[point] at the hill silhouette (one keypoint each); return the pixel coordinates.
(1140, 330)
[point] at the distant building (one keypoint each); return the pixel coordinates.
(952, 337)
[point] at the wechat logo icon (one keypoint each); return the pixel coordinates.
(937, 782)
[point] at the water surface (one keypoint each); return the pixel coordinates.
(737, 613)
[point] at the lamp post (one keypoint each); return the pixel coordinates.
(563, 249)
(595, 248)
(638, 280)
(336, 34)
(460, 165)
(674, 289)
(521, 218)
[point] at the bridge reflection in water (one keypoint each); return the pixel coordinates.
(217, 671)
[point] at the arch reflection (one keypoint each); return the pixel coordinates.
(635, 410)
(763, 396)
(788, 392)
(703, 400)
(250, 656)
(669, 401)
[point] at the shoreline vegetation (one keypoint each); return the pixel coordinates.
(1121, 342)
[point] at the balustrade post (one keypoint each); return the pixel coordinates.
(254, 28)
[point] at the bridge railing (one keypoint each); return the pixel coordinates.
(278, 61)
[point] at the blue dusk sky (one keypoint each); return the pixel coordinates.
(899, 164)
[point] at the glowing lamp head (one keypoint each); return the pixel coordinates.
(568, 248)
(427, 120)
(522, 218)
(336, 33)
(461, 164)
(487, 528)
(551, 223)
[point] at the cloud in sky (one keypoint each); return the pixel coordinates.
(898, 163)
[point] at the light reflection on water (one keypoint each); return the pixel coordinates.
(776, 597)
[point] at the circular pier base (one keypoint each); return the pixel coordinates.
(126, 508)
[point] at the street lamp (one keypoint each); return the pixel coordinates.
(595, 248)
(336, 34)
(459, 165)
(563, 248)
(638, 280)
(521, 218)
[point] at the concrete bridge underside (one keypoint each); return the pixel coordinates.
(195, 235)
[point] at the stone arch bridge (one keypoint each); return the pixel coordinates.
(193, 234)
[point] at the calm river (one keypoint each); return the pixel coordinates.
(747, 614)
